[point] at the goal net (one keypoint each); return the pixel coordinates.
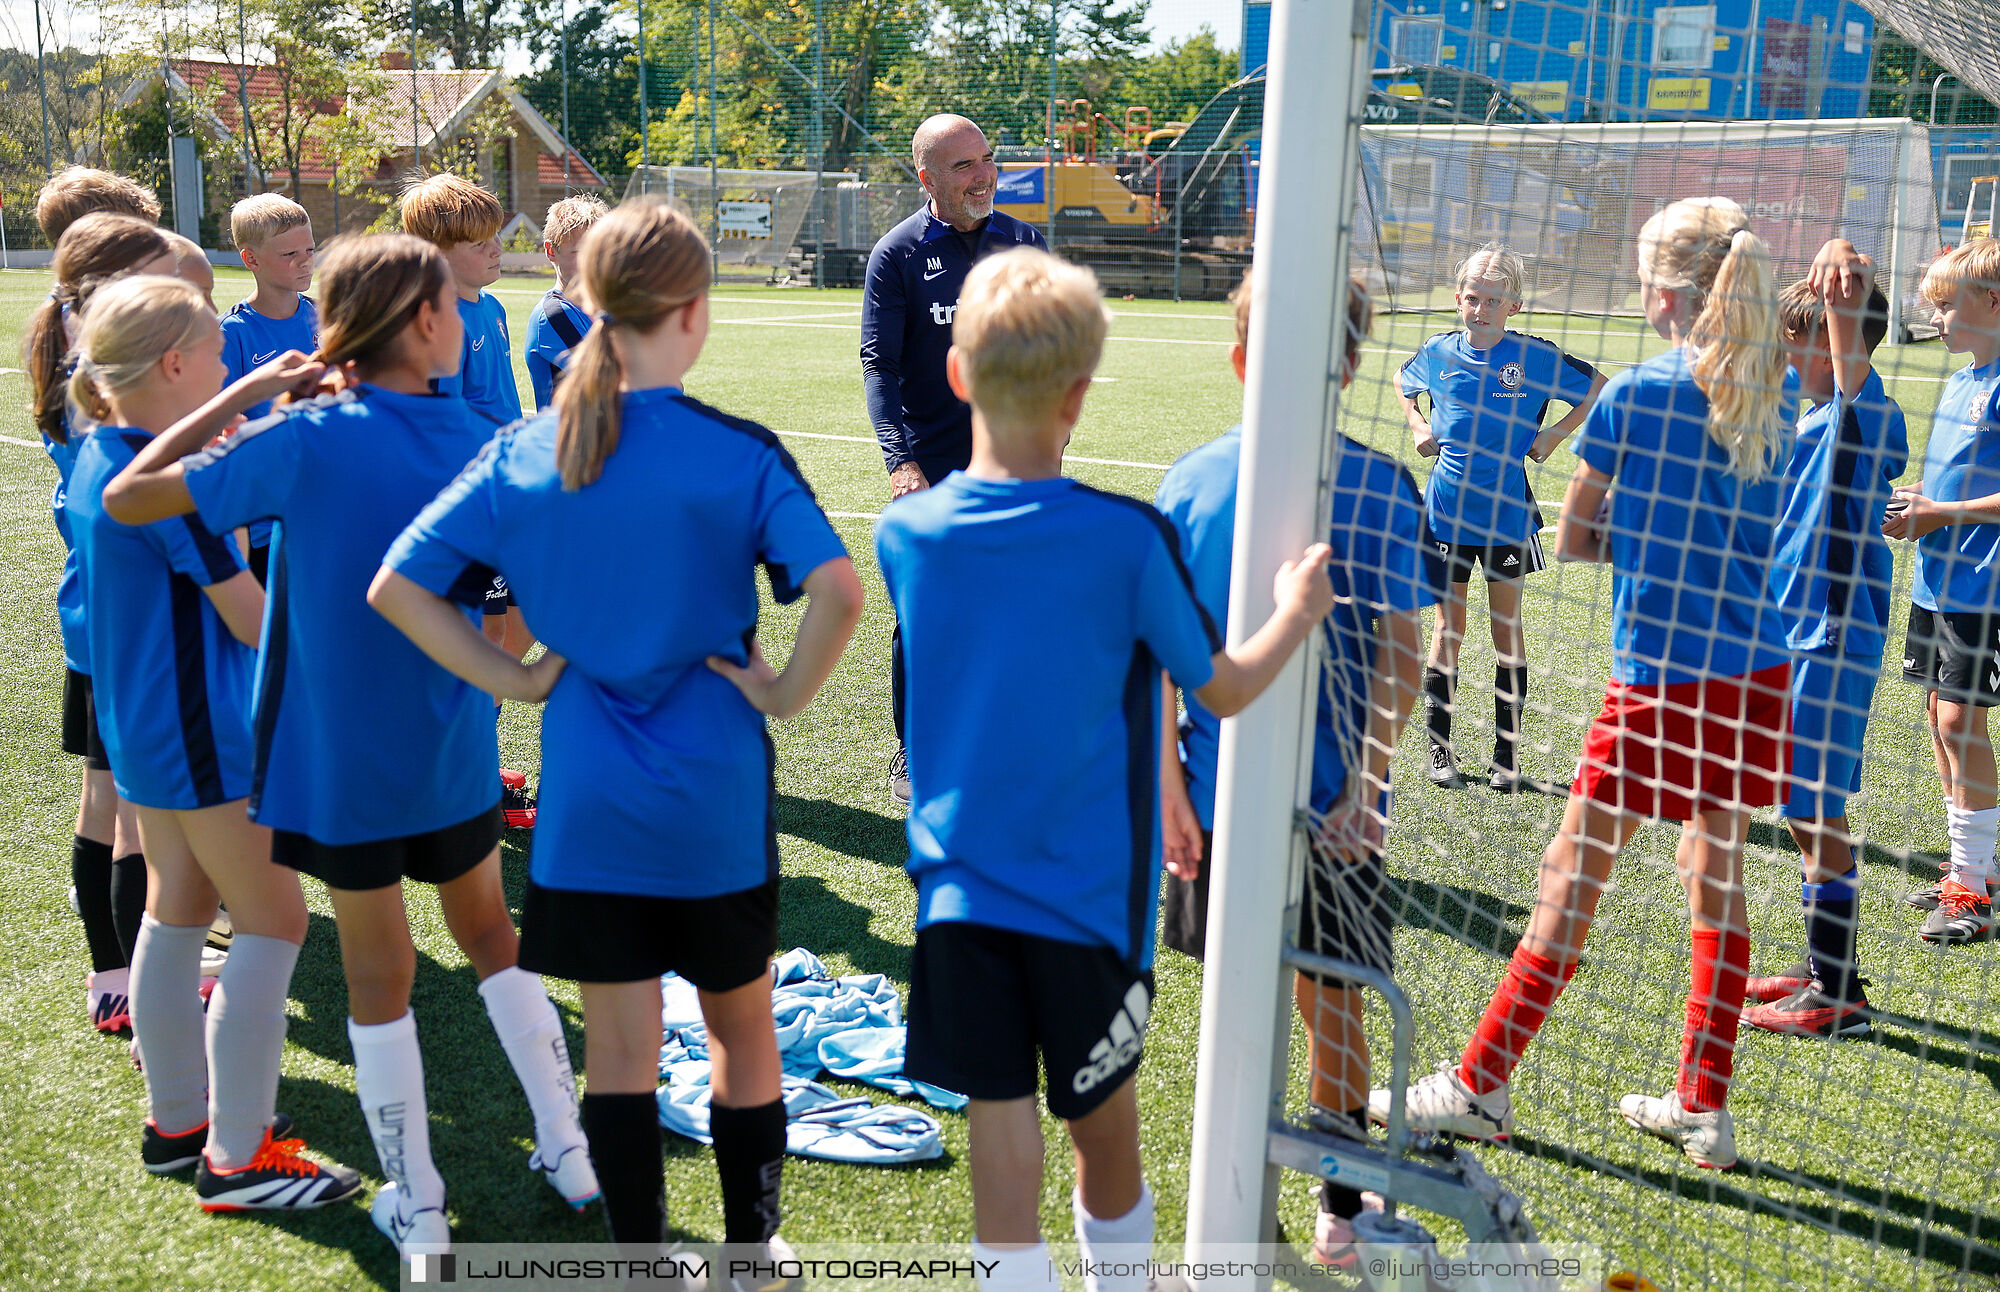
(760, 218)
(1831, 1002)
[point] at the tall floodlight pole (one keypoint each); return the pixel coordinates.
(243, 91)
(416, 125)
(645, 129)
(42, 83)
(819, 143)
(562, 16)
(1297, 328)
(714, 154)
(1049, 169)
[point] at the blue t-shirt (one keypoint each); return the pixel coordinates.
(485, 376)
(360, 737)
(1833, 568)
(656, 772)
(69, 590)
(1377, 569)
(1958, 566)
(1036, 617)
(555, 328)
(1690, 543)
(172, 686)
(250, 340)
(1486, 410)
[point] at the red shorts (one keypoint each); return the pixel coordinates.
(1672, 751)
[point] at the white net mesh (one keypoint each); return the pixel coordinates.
(1864, 1158)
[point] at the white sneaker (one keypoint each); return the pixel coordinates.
(424, 1233)
(1441, 1104)
(767, 1275)
(573, 1175)
(1708, 1139)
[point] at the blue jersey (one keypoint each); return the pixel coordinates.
(656, 772)
(172, 686)
(69, 590)
(1486, 410)
(914, 276)
(1377, 569)
(250, 340)
(1037, 615)
(360, 737)
(554, 329)
(485, 376)
(1958, 566)
(1690, 543)
(1833, 568)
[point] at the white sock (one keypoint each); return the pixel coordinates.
(1972, 833)
(389, 1079)
(1024, 1269)
(531, 1033)
(1126, 1240)
(167, 1022)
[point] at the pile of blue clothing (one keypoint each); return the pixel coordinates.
(849, 1027)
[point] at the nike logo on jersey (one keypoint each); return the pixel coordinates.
(1121, 1043)
(942, 315)
(477, 343)
(932, 268)
(258, 360)
(938, 274)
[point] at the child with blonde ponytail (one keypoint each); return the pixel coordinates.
(107, 870)
(374, 765)
(1693, 723)
(172, 621)
(656, 848)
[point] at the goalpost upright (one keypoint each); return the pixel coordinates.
(1305, 206)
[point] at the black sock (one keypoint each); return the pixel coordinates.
(128, 898)
(750, 1158)
(1437, 704)
(1510, 694)
(1830, 934)
(1338, 1199)
(624, 1136)
(90, 871)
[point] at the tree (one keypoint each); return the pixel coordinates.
(472, 32)
(303, 85)
(1176, 81)
(1900, 86)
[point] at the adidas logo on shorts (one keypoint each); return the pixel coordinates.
(1120, 1045)
(1511, 559)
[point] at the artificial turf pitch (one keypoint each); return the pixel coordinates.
(1865, 1163)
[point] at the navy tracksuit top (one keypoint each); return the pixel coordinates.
(914, 276)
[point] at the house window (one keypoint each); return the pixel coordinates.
(1416, 40)
(1959, 172)
(1684, 37)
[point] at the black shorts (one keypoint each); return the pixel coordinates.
(716, 943)
(1345, 912)
(498, 597)
(260, 563)
(983, 1001)
(435, 857)
(1453, 562)
(79, 722)
(1956, 655)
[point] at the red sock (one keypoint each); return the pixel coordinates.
(1715, 1003)
(1520, 1003)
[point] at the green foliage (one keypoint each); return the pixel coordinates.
(1177, 81)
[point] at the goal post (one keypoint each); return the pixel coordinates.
(1305, 198)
